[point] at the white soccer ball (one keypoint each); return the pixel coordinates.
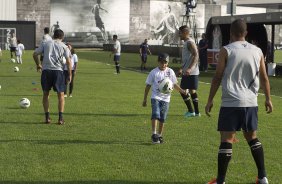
(16, 69)
(166, 86)
(24, 103)
(13, 60)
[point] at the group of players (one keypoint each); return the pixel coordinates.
(239, 70)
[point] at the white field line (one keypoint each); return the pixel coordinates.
(148, 72)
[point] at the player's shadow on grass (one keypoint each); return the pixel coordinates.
(97, 182)
(26, 95)
(104, 114)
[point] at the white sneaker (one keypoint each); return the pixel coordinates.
(262, 181)
(65, 96)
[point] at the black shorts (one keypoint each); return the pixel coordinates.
(237, 118)
(144, 58)
(13, 49)
(116, 58)
(189, 82)
(53, 79)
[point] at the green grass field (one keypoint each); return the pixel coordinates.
(106, 138)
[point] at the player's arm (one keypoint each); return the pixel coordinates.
(149, 51)
(222, 59)
(68, 62)
(35, 55)
(194, 51)
(178, 88)
(140, 51)
(265, 86)
(146, 92)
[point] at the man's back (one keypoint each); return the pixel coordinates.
(54, 51)
(240, 81)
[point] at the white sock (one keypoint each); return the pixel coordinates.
(154, 132)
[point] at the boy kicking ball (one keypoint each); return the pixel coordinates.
(160, 101)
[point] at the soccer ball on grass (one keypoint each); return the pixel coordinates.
(16, 69)
(13, 60)
(24, 103)
(166, 86)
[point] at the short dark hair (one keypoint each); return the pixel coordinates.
(238, 28)
(46, 30)
(58, 34)
(115, 36)
(184, 28)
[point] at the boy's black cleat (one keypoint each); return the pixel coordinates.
(155, 139)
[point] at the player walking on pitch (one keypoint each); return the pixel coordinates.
(240, 68)
(52, 75)
(160, 101)
(189, 72)
(144, 50)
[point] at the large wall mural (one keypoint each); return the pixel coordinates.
(165, 19)
(91, 22)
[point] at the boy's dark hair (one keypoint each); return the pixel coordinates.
(238, 28)
(46, 30)
(163, 57)
(58, 34)
(115, 36)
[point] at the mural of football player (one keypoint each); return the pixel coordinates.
(99, 23)
(167, 28)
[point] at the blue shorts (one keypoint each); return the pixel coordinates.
(53, 78)
(144, 58)
(189, 82)
(159, 110)
(237, 118)
(116, 58)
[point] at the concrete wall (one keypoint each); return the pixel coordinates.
(35, 10)
(8, 10)
(139, 26)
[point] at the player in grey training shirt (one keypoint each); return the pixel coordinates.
(239, 70)
(52, 71)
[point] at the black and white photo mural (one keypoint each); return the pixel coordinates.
(91, 22)
(165, 19)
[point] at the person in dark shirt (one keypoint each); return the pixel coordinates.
(144, 50)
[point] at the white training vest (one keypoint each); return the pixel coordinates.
(240, 83)
(187, 58)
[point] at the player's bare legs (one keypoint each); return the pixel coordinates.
(61, 105)
(45, 102)
(155, 137)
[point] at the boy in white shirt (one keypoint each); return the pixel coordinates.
(19, 52)
(160, 101)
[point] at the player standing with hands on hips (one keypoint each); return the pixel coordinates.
(52, 71)
(240, 69)
(189, 72)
